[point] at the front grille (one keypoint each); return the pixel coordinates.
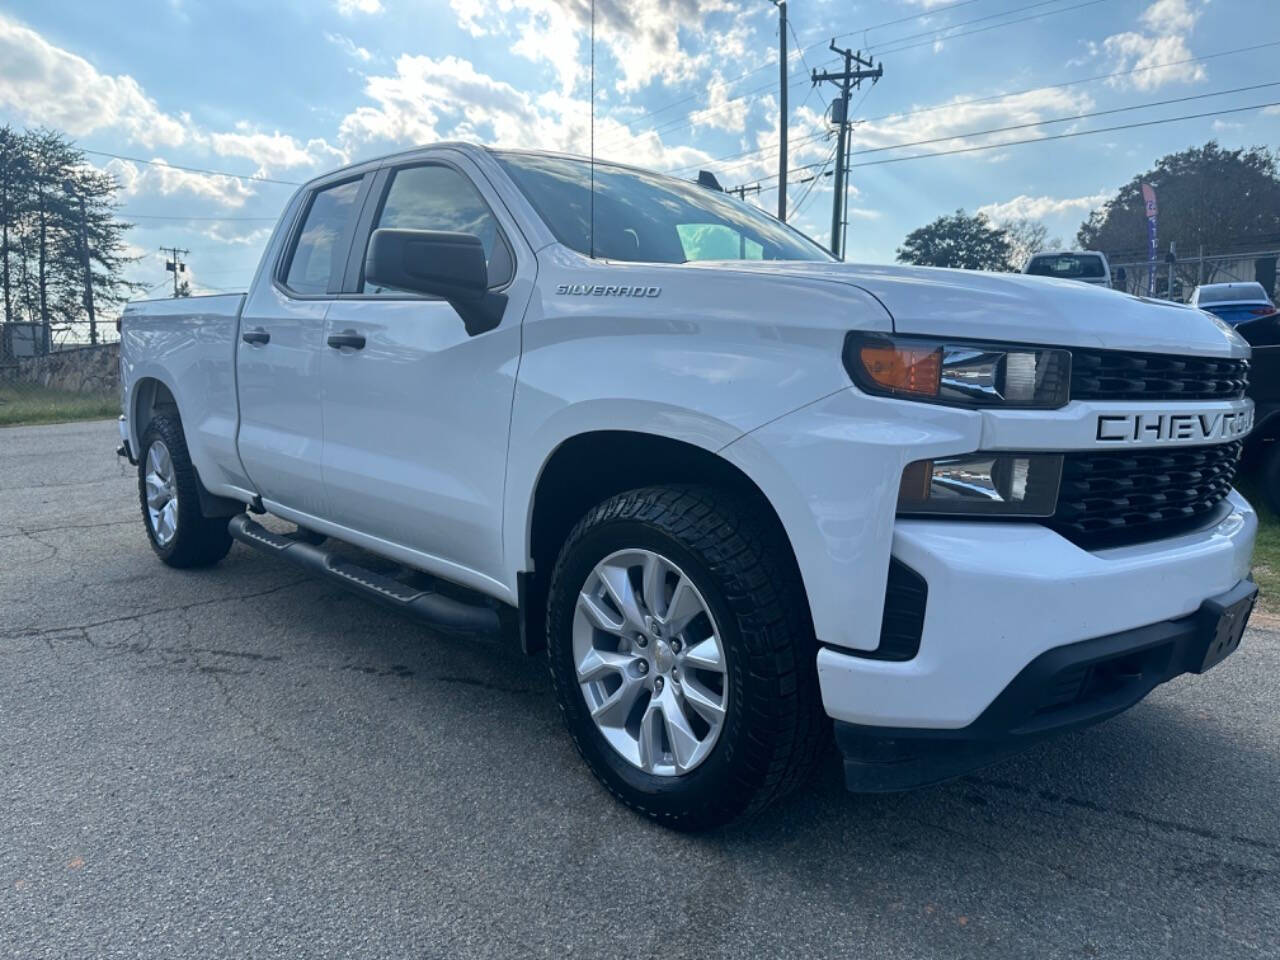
(1117, 375)
(1141, 495)
(904, 602)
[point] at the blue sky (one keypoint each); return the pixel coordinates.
(286, 90)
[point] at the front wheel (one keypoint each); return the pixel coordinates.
(179, 532)
(683, 656)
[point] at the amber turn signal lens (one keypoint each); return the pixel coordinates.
(904, 369)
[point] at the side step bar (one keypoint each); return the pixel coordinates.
(426, 605)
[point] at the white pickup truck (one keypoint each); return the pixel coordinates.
(735, 489)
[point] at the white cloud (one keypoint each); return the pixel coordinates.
(350, 8)
(275, 151)
(160, 178)
(721, 112)
(1167, 26)
(643, 37)
(1038, 208)
(946, 126)
(45, 84)
(349, 47)
(436, 99)
(232, 237)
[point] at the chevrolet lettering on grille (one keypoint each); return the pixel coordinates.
(1144, 428)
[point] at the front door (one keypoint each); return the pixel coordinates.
(281, 346)
(416, 411)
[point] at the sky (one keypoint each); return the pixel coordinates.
(278, 92)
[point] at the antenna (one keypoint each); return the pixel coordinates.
(591, 240)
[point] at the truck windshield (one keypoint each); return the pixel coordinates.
(1069, 266)
(647, 217)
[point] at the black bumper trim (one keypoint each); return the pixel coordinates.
(1065, 688)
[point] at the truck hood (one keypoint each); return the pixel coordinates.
(1017, 307)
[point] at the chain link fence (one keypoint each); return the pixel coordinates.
(46, 379)
(1175, 281)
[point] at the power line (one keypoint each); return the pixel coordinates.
(685, 119)
(932, 34)
(901, 115)
(124, 214)
(1077, 116)
(1071, 83)
(800, 50)
(176, 166)
(1068, 136)
(1023, 126)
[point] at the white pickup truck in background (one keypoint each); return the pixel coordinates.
(737, 490)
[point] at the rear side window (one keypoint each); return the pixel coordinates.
(319, 253)
(440, 198)
(1233, 293)
(1068, 266)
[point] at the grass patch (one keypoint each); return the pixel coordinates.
(27, 403)
(1266, 553)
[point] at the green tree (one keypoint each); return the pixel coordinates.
(963, 241)
(1026, 238)
(54, 206)
(1220, 199)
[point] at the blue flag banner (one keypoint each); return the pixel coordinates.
(1149, 199)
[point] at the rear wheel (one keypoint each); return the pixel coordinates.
(683, 656)
(167, 488)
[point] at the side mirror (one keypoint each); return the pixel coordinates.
(438, 264)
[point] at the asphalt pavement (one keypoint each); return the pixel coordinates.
(245, 762)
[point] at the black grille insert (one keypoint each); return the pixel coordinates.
(904, 602)
(1117, 375)
(1138, 495)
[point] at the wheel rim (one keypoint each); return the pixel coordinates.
(650, 662)
(162, 493)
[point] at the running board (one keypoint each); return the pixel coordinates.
(434, 608)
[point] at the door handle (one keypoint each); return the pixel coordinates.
(258, 336)
(347, 338)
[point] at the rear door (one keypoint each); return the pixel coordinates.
(282, 344)
(416, 417)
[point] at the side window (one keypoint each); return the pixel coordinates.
(318, 253)
(440, 198)
(715, 241)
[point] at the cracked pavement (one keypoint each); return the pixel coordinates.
(245, 762)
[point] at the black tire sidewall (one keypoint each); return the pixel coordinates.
(199, 541)
(716, 784)
(159, 429)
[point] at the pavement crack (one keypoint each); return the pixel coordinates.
(127, 618)
(1159, 823)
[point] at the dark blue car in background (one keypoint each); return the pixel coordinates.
(1233, 302)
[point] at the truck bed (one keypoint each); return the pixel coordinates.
(189, 344)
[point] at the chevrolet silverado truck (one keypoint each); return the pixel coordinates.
(742, 494)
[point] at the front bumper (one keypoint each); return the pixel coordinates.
(1001, 594)
(1063, 689)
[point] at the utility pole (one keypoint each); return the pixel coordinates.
(175, 265)
(70, 189)
(782, 118)
(741, 191)
(849, 79)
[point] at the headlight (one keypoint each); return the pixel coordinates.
(982, 484)
(959, 373)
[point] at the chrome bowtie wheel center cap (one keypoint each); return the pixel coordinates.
(663, 658)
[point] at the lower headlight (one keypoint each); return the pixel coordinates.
(982, 484)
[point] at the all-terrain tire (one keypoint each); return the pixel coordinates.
(774, 731)
(196, 540)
